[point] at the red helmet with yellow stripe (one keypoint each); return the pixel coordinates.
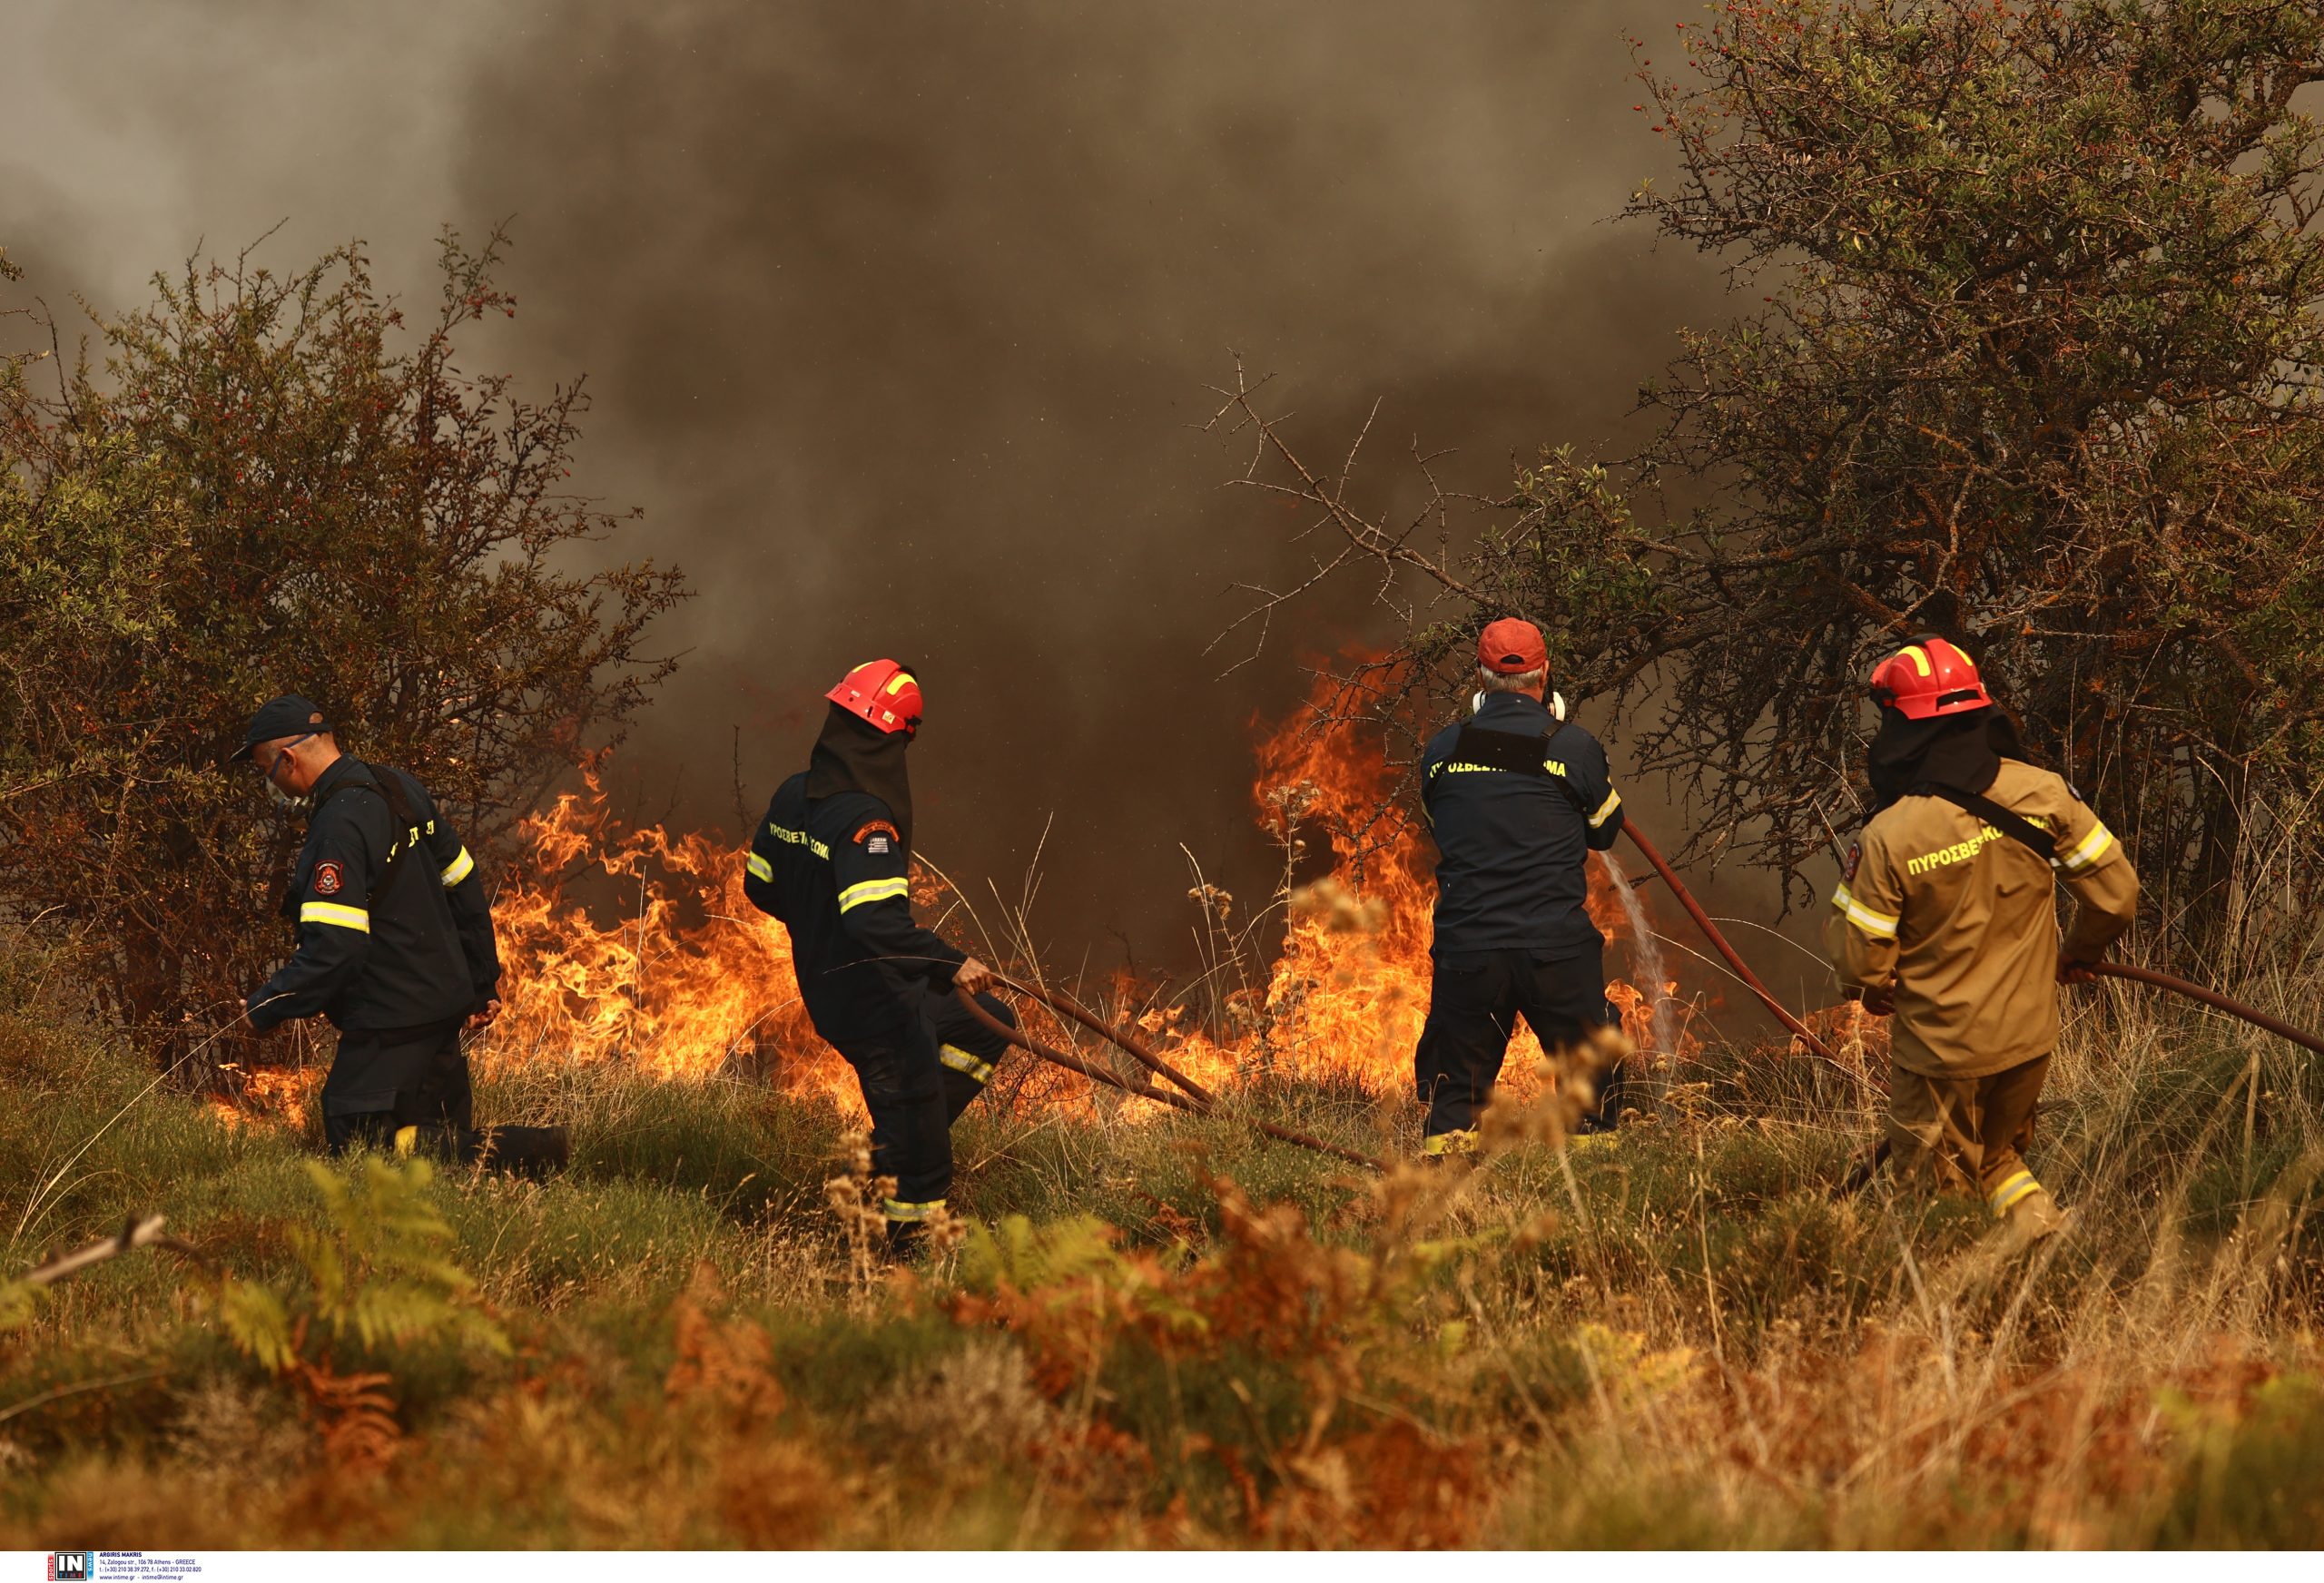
(1929, 678)
(883, 692)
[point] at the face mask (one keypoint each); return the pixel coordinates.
(284, 802)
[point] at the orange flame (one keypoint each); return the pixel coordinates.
(266, 1097)
(665, 967)
(1349, 989)
(690, 980)
(674, 972)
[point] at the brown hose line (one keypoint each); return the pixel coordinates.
(1066, 1006)
(1866, 1169)
(1202, 1105)
(1075, 1063)
(2211, 997)
(1741, 969)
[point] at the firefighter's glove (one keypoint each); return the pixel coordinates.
(972, 976)
(2070, 971)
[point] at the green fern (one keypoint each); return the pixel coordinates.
(376, 1269)
(1016, 1253)
(17, 1300)
(257, 1320)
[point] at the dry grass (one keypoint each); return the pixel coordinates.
(1169, 1333)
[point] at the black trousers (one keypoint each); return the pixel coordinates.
(1474, 1000)
(411, 1091)
(413, 1077)
(919, 1069)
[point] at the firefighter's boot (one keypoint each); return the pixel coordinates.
(534, 1152)
(906, 1241)
(2035, 1216)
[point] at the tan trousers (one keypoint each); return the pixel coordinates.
(1969, 1132)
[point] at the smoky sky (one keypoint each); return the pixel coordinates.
(898, 322)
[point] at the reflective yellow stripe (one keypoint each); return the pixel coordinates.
(1606, 809)
(1918, 656)
(407, 1140)
(856, 895)
(2014, 1189)
(899, 681)
(1878, 925)
(333, 913)
(799, 837)
(2089, 850)
(1461, 1142)
(458, 869)
(759, 866)
(898, 1210)
(960, 1061)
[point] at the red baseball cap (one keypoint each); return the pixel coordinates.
(1511, 647)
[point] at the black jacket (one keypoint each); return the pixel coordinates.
(836, 873)
(418, 955)
(1516, 800)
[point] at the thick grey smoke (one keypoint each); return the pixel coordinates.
(899, 319)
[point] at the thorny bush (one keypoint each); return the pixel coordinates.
(2030, 360)
(271, 486)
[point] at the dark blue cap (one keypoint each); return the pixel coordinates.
(289, 715)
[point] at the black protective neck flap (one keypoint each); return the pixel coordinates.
(855, 755)
(1955, 758)
(1959, 750)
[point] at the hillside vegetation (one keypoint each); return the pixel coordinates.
(1169, 1332)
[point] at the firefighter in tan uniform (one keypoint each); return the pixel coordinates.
(1946, 915)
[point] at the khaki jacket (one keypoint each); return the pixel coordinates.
(1962, 921)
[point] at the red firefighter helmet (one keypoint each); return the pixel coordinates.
(883, 692)
(1924, 680)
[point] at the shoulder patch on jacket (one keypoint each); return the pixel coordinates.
(330, 879)
(876, 837)
(1856, 855)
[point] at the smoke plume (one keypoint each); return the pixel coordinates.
(899, 321)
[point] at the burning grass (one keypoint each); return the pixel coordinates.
(667, 969)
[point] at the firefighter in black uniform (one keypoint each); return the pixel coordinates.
(832, 861)
(1517, 796)
(395, 947)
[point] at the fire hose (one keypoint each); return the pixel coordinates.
(2211, 997)
(1814, 1045)
(1872, 1162)
(1195, 1100)
(1866, 1169)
